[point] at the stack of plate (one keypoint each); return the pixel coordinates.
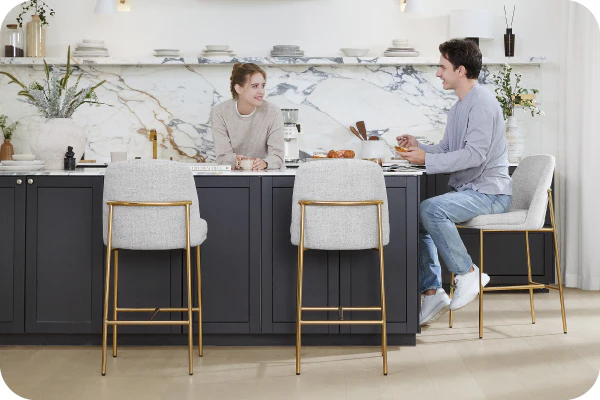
(218, 50)
(91, 48)
(287, 50)
(22, 162)
(401, 48)
(166, 53)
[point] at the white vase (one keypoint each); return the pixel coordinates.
(49, 142)
(516, 140)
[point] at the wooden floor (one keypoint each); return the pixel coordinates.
(515, 360)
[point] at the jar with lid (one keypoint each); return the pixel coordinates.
(14, 41)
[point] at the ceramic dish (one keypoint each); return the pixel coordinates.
(23, 157)
(168, 50)
(217, 47)
(19, 168)
(354, 52)
(400, 49)
(93, 41)
(219, 55)
(218, 51)
(327, 158)
(90, 45)
(10, 163)
(401, 54)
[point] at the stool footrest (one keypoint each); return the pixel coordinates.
(166, 309)
(341, 308)
(516, 287)
(148, 322)
(345, 322)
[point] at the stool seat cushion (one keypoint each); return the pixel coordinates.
(340, 227)
(512, 220)
(151, 228)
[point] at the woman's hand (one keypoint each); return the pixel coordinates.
(238, 158)
(259, 164)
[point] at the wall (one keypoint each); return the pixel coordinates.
(320, 27)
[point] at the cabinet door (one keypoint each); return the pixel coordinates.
(280, 267)
(230, 256)
(64, 254)
(359, 270)
(12, 254)
(505, 267)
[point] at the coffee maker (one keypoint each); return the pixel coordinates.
(291, 130)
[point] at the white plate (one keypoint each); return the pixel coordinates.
(219, 54)
(23, 168)
(400, 49)
(217, 47)
(23, 157)
(90, 45)
(93, 41)
(326, 158)
(9, 163)
(218, 51)
(401, 54)
(167, 50)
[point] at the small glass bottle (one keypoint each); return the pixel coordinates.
(14, 41)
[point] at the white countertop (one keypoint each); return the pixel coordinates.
(100, 172)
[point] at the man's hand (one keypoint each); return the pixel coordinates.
(238, 158)
(407, 141)
(414, 155)
(259, 164)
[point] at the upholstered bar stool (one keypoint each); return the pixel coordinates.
(531, 196)
(340, 205)
(151, 205)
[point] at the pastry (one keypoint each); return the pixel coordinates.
(401, 149)
(332, 154)
(349, 154)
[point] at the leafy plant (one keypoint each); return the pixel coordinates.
(39, 8)
(7, 131)
(510, 96)
(52, 97)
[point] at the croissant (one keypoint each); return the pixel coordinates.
(332, 154)
(349, 154)
(401, 149)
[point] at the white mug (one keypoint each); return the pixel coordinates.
(116, 156)
(247, 163)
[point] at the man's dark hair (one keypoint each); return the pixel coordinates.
(463, 52)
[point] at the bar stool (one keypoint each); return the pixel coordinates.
(531, 196)
(151, 205)
(340, 205)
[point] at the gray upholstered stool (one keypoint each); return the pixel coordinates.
(339, 205)
(531, 196)
(151, 205)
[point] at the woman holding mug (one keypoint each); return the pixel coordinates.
(247, 126)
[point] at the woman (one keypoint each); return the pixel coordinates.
(247, 126)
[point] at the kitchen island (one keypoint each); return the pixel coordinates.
(52, 265)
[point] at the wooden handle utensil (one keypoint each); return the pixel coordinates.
(362, 129)
(353, 129)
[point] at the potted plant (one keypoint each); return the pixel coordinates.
(57, 102)
(6, 151)
(36, 28)
(512, 96)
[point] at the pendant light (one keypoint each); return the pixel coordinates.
(413, 6)
(106, 7)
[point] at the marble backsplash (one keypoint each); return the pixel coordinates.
(176, 101)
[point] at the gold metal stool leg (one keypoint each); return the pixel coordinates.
(115, 299)
(530, 279)
(188, 270)
(299, 292)
(199, 291)
(451, 297)
(382, 293)
(106, 290)
(557, 255)
(480, 286)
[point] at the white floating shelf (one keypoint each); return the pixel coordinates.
(216, 61)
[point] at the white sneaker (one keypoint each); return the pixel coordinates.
(467, 288)
(433, 307)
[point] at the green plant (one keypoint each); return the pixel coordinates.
(39, 8)
(52, 97)
(510, 96)
(7, 131)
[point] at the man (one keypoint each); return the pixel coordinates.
(474, 151)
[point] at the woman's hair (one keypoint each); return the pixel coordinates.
(463, 52)
(240, 74)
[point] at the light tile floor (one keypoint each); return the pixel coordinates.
(515, 360)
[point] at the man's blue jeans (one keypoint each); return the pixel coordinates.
(438, 232)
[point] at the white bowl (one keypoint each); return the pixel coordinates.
(354, 52)
(218, 47)
(23, 157)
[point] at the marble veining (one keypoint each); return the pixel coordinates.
(175, 98)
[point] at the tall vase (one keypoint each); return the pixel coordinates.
(6, 150)
(36, 38)
(50, 141)
(516, 140)
(509, 43)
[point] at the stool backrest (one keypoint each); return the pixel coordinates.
(340, 227)
(531, 181)
(149, 228)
